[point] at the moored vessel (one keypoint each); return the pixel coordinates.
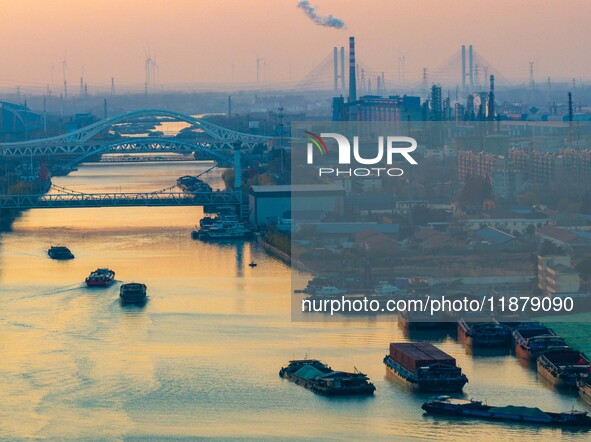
(487, 334)
(424, 366)
(533, 338)
(320, 378)
(100, 278)
(221, 227)
(133, 293)
(584, 388)
(563, 366)
(445, 405)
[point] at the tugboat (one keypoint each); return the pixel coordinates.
(100, 278)
(563, 366)
(533, 338)
(444, 405)
(60, 252)
(424, 366)
(133, 293)
(485, 334)
(321, 379)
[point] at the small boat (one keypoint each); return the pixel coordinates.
(321, 379)
(100, 278)
(252, 264)
(133, 293)
(60, 252)
(483, 333)
(424, 366)
(563, 366)
(444, 405)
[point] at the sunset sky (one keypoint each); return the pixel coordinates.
(198, 41)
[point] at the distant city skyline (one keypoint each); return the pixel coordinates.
(221, 43)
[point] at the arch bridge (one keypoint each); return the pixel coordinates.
(84, 141)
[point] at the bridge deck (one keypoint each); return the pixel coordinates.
(162, 199)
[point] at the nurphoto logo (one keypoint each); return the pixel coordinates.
(402, 146)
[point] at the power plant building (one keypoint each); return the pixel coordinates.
(370, 107)
(375, 108)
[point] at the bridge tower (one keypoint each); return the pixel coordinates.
(237, 167)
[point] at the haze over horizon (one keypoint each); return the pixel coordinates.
(210, 42)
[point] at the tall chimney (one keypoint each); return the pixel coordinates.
(471, 67)
(491, 99)
(352, 80)
(463, 69)
(336, 71)
(343, 69)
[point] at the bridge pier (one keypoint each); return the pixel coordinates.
(237, 167)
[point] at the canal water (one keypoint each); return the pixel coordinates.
(201, 358)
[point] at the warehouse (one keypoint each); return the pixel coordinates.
(269, 204)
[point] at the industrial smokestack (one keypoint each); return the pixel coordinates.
(463, 69)
(352, 80)
(491, 99)
(336, 71)
(471, 67)
(343, 69)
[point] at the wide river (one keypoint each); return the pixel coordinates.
(201, 358)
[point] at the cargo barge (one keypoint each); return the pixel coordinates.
(486, 334)
(100, 278)
(425, 367)
(563, 366)
(321, 379)
(414, 320)
(584, 387)
(533, 338)
(476, 409)
(133, 293)
(60, 253)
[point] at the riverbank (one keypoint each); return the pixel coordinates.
(286, 258)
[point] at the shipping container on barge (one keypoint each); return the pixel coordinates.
(321, 379)
(534, 338)
(424, 366)
(476, 409)
(563, 366)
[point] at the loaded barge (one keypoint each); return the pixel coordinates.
(584, 387)
(564, 366)
(486, 334)
(321, 379)
(533, 338)
(133, 293)
(476, 409)
(100, 278)
(424, 366)
(60, 253)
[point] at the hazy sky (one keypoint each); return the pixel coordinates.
(199, 41)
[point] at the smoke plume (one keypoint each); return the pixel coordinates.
(323, 20)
